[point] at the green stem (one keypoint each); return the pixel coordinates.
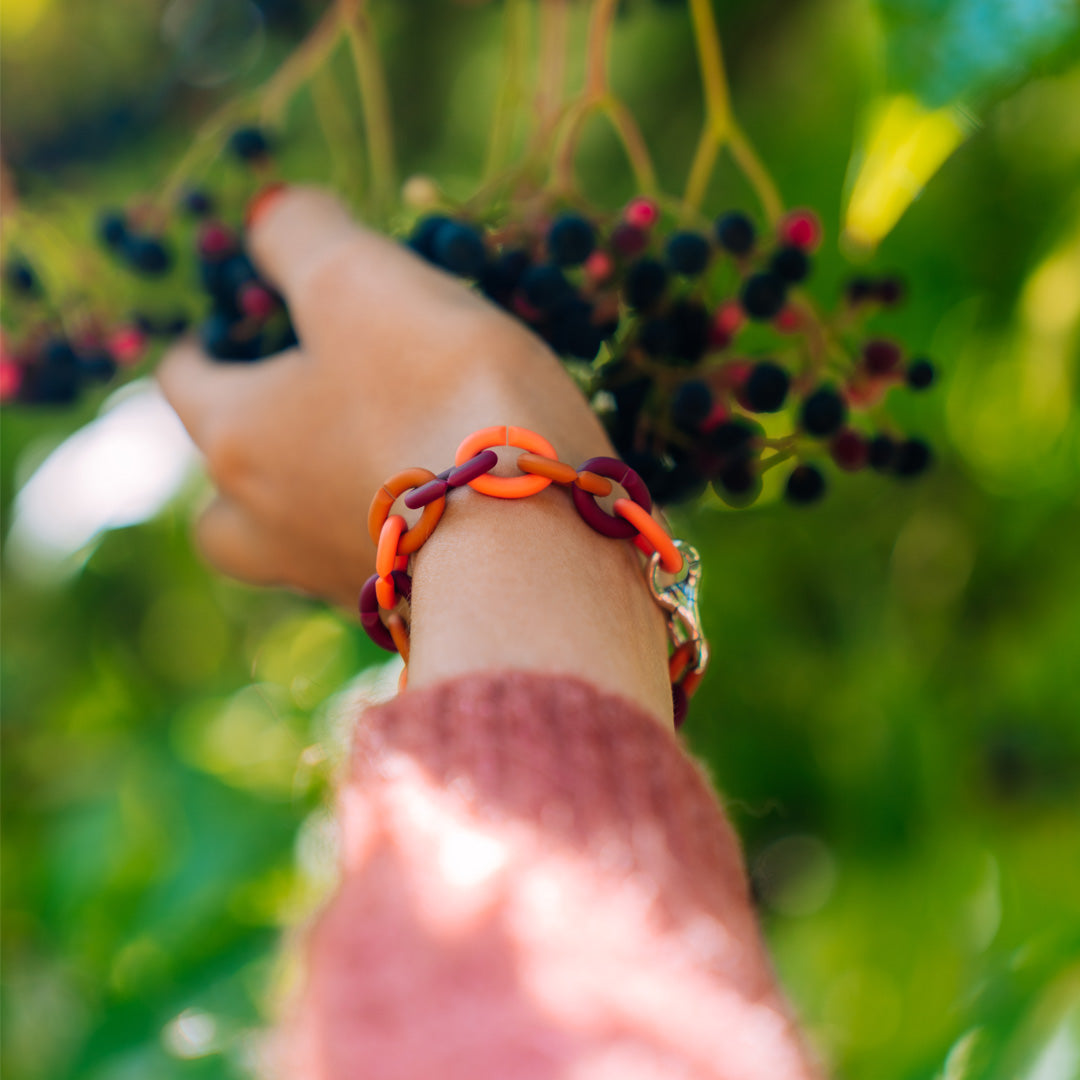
(511, 87)
(342, 138)
(551, 66)
(702, 168)
(755, 172)
(374, 101)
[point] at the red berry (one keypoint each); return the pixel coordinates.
(802, 229)
(726, 322)
(849, 450)
(789, 321)
(881, 357)
(10, 379)
(526, 310)
(716, 417)
(629, 240)
(641, 213)
(216, 240)
(599, 267)
(257, 301)
(127, 345)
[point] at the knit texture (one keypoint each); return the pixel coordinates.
(537, 882)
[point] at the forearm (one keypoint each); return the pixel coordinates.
(527, 584)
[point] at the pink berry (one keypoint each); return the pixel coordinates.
(599, 267)
(523, 308)
(881, 357)
(716, 417)
(727, 320)
(801, 228)
(127, 345)
(10, 379)
(216, 240)
(789, 321)
(641, 213)
(849, 450)
(257, 301)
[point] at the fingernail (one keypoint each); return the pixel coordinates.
(262, 201)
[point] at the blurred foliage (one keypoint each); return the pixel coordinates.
(893, 711)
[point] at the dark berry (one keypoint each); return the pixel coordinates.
(849, 450)
(881, 452)
(690, 325)
(766, 388)
(422, 240)
(500, 278)
(881, 357)
(215, 240)
(860, 289)
(570, 330)
(763, 296)
(545, 286)
(920, 374)
(97, 366)
(889, 291)
(222, 340)
(459, 248)
(691, 404)
(791, 264)
(805, 484)
(249, 144)
(570, 240)
(147, 255)
(912, 458)
(736, 477)
(655, 336)
(20, 277)
(735, 232)
(823, 412)
(688, 253)
(112, 229)
(46, 384)
(730, 437)
(628, 240)
(646, 281)
(223, 280)
(197, 202)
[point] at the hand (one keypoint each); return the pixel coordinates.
(398, 362)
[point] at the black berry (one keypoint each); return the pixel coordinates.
(688, 253)
(570, 240)
(249, 144)
(882, 451)
(112, 229)
(805, 484)
(545, 286)
(913, 457)
(860, 289)
(735, 232)
(691, 404)
(422, 240)
(920, 374)
(500, 278)
(147, 255)
(889, 291)
(763, 296)
(823, 412)
(881, 357)
(791, 264)
(766, 388)
(645, 284)
(690, 324)
(20, 277)
(459, 248)
(197, 202)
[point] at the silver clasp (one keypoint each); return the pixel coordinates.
(680, 600)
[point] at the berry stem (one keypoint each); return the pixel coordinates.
(776, 459)
(754, 170)
(633, 143)
(718, 116)
(374, 102)
(702, 168)
(598, 48)
(299, 65)
(516, 28)
(345, 149)
(551, 67)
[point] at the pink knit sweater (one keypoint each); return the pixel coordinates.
(538, 882)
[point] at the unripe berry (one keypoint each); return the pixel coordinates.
(802, 228)
(688, 253)
(849, 450)
(726, 323)
(420, 193)
(127, 345)
(920, 374)
(599, 267)
(823, 413)
(10, 379)
(257, 301)
(763, 296)
(805, 485)
(881, 357)
(641, 213)
(570, 240)
(789, 321)
(215, 241)
(735, 233)
(766, 388)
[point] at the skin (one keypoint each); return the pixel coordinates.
(399, 363)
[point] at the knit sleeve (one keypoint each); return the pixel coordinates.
(537, 882)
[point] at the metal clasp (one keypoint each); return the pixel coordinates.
(680, 600)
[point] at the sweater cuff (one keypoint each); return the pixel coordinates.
(588, 769)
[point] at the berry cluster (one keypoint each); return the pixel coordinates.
(690, 336)
(244, 319)
(697, 346)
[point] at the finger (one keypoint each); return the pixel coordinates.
(307, 244)
(233, 542)
(206, 393)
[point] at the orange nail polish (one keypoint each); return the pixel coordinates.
(262, 201)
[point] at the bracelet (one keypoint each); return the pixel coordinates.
(396, 542)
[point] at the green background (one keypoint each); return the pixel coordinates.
(892, 714)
